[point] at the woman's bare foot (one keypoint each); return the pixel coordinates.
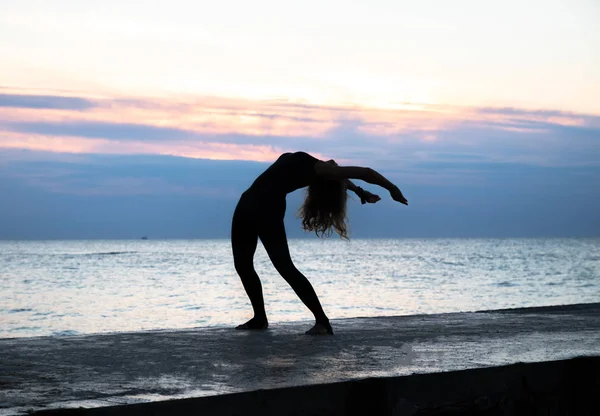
(320, 329)
(254, 324)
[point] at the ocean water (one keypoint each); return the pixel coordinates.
(78, 287)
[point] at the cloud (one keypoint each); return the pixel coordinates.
(126, 196)
(512, 111)
(102, 130)
(45, 102)
(395, 139)
(97, 174)
(540, 114)
(537, 143)
(181, 163)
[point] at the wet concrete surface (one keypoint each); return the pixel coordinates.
(124, 368)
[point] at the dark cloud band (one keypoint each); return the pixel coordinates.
(45, 102)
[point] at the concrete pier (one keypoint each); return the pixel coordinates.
(144, 368)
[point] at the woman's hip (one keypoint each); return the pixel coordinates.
(259, 208)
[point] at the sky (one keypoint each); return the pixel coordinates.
(123, 119)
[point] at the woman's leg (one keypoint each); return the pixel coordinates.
(243, 243)
(273, 236)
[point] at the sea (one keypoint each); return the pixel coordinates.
(63, 288)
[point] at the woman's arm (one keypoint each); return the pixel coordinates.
(365, 196)
(352, 172)
(352, 187)
(357, 172)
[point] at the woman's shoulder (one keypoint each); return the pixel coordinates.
(300, 154)
(297, 159)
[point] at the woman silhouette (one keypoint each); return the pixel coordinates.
(260, 212)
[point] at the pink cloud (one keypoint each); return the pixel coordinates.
(241, 129)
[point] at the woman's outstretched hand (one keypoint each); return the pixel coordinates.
(397, 195)
(366, 196)
(371, 198)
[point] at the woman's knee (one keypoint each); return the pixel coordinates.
(287, 270)
(243, 265)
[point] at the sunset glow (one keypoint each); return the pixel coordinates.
(204, 127)
(477, 110)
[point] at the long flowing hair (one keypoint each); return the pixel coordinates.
(324, 208)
